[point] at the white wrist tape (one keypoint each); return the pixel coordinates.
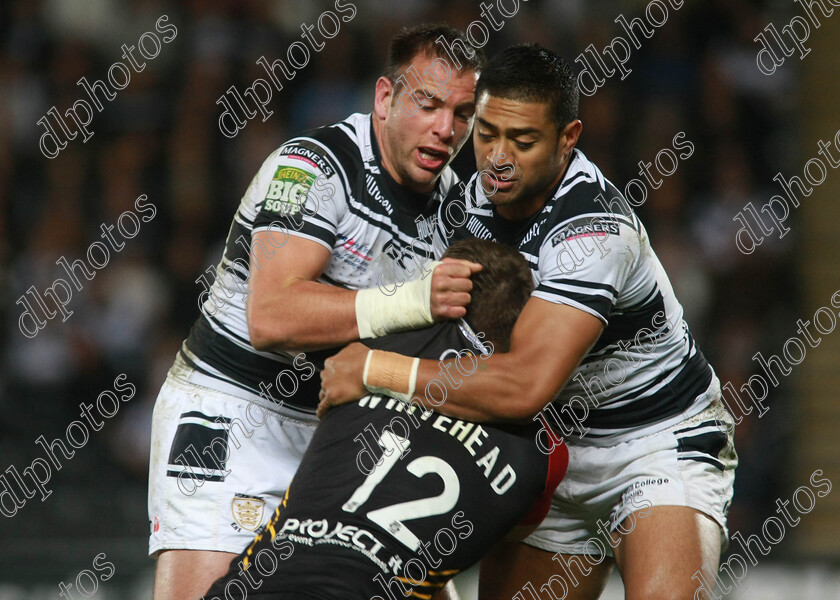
(391, 374)
(409, 307)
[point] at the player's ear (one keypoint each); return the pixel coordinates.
(382, 98)
(569, 135)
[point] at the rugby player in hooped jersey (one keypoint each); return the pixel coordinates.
(602, 336)
(320, 212)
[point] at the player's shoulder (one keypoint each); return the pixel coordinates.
(448, 183)
(463, 192)
(336, 148)
(351, 136)
(584, 190)
(586, 202)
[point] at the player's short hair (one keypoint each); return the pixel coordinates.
(531, 73)
(422, 39)
(500, 289)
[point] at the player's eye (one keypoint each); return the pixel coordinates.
(524, 145)
(484, 137)
(464, 116)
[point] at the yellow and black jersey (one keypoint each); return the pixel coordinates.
(392, 501)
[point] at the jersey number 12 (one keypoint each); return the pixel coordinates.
(391, 518)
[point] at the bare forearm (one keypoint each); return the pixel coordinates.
(287, 309)
(500, 387)
(547, 344)
(516, 385)
(303, 315)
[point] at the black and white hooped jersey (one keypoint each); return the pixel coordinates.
(587, 249)
(329, 186)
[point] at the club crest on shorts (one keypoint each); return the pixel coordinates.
(247, 511)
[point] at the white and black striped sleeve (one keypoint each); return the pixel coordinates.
(301, 190)
(584, 262)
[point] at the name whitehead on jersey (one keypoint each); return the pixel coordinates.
(471, 436)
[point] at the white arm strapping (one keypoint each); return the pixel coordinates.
(391, 374)
(409, 307)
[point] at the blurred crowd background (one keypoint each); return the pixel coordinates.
(160, 137)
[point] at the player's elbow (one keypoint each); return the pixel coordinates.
(259, 334)
(512, 415)
(519, 392)
(535, 393)
(539, 386)
(266, 333)
(521, 402)
(529, 405)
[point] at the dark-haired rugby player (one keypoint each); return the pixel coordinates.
(602, 339)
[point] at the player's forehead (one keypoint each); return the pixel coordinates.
(437, 75)
(505, 114)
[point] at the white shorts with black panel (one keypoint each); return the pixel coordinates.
(219, 466)
(691, 463)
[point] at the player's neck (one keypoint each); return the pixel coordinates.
(521, 209)
(378, 128)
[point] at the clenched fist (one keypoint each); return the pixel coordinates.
(451, 287)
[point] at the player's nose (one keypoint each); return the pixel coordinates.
(444, 125)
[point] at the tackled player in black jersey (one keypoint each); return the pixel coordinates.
(601, 350)
(394, 498)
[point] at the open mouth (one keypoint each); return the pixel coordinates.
(432, 158)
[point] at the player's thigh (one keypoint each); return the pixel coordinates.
(219, 467)
(511, 567)
(683, 478)
(668, 554)
(187, 574)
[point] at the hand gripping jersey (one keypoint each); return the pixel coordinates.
(587, 249)
(327, 186)
(391, 498)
